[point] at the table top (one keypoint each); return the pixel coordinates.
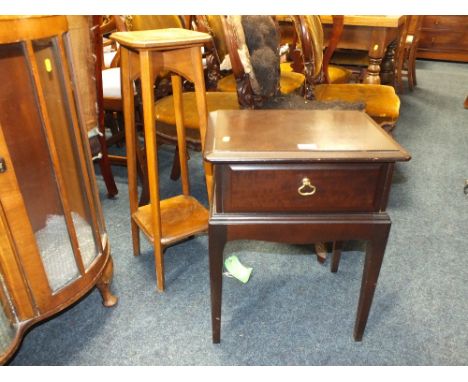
(242, 136)
(392, 21)
(161, 38)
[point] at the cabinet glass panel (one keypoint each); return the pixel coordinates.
(52, 82)
(24, 135)
(8, 320)
(86, 102)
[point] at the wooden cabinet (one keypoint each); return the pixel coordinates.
(327, 179)
(444, 38)
(53, 242)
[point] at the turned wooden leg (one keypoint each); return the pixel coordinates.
(103, 285)
(216, 243)
(376, 54)
(336, 256)
(373, 71)
(374, 256)
(389, 66)
(106, 170)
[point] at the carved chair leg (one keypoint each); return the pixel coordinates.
(412, 69)
(143, 175)
(103, 285)
(321, 252)
(106, 170)
(175, 171)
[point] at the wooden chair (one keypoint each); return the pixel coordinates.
(334, 74)
(381, 101)
(109, 95)
(107, 63)
(290, 81)
(82, 36)
(405, 61)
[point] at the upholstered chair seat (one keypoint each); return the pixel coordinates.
(111, 83)
(289, 82)
(381, 101)
(109, 56)
(215, 101)
(111, 89)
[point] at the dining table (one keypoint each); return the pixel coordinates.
(378, 35)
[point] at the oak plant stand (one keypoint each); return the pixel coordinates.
(299, 176)
(144, 54)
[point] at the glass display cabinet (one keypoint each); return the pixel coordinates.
(53, 242)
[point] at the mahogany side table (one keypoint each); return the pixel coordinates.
(144, 54)
(299, 177)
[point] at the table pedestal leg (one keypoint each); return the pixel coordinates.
(388, 64)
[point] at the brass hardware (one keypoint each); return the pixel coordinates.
(306, 185)
(2, 165)
(48, 65)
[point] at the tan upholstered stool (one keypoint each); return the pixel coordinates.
(144, 54)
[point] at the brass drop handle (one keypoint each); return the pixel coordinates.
(306, 188)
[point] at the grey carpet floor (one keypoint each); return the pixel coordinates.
(293, 311)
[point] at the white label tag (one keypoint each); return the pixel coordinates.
(307, 146)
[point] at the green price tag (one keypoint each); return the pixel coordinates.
(236, 269)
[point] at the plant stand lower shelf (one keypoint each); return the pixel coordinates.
(181, 217)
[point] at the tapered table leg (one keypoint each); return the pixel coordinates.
(373, 261)
(336, 256)
(216, 243)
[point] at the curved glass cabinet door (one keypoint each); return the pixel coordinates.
(55, 247)
(47, 160)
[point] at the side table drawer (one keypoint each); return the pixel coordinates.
(303, 188)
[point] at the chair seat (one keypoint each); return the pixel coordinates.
(111, 83)
(108, 58)
(164, 108)
(337, 74)
(381, 100)
(289, 81)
